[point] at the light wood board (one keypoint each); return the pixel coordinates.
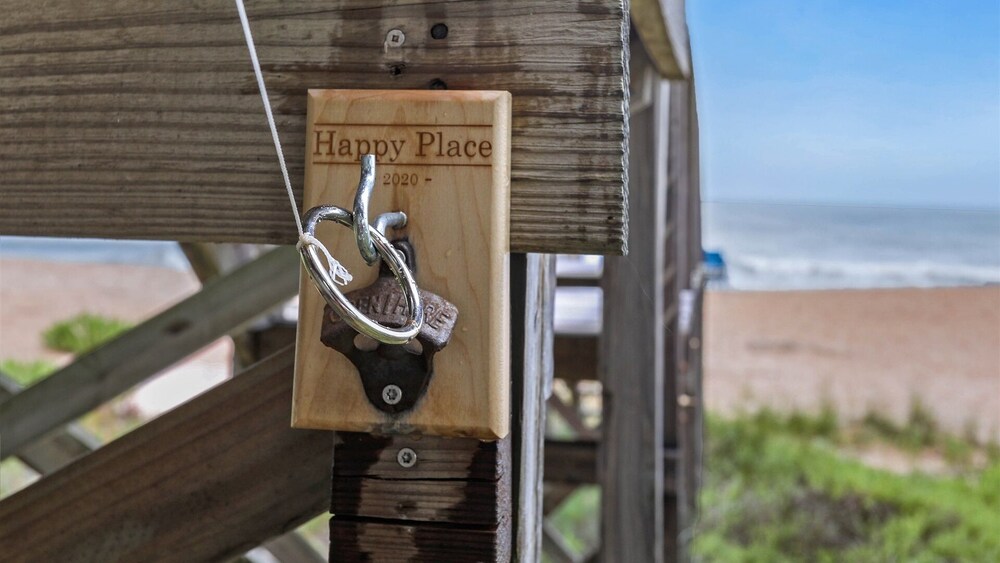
(142, 120)
(458, 223)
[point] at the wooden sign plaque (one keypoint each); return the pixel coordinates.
(442, 157)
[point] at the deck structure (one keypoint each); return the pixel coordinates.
(132, 120)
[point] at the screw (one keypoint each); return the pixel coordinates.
(392, 394)
(406, 457)
(395, 38)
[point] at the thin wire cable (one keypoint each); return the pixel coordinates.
(338, 272)
(270, 116)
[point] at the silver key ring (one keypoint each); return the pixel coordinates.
(347, 311)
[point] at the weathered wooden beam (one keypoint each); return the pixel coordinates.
(575, 358)
(65, 445)
(460, 499)
(555, 546)
(575, 463)
(662, 26)
(221, 306)
(384, 511)
(132, 119)
(533, 285)
(631, 467)
(683, 430)
(204, 482)
(571, 462)
(56, 449)
(570, 414)
(208, 262)
(293, 548)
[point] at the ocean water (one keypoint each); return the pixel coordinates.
(137, 252)
(766, 246)
(774, 246)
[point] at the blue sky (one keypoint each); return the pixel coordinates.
(849, 101)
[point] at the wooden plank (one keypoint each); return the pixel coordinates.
(555, 493)
(685, 398)
(533, 283)
(204, 482)
(631, 467)
(210, 261)
(129, 119)
(457, 480)
(413, 542)
(221, 306)
(571, 462)
(575, 358)
(57, 448)
(293, 548)
(62, 446)
(454, 503)
(443, 160)
(662, 26)
(570, 414)
(555, 546)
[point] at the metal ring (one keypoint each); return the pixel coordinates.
(348, 312)
(361, 198)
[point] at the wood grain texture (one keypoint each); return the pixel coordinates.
(56, 449)
(436, 489)
(533, 286)
(204, 482)
(416, 543)
(686, 401)
(134, 119)
(457, 209)
(662, 26)
(221, 306)
(61, 447)
(576, 358)
(631, 467)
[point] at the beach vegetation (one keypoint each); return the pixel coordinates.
(26, 373)
(83, 332)
(777, 489)
(794, 487)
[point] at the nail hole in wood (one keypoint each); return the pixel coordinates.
(439, 31)
(178, 326)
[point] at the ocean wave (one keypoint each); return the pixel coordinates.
(759, 271)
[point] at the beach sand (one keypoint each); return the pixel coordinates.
(35, 294)
(859, 351)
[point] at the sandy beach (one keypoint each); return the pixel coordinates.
(860, 351)
(35, 294)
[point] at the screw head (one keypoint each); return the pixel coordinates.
(395, 38)
(392, 394)
(406, 457)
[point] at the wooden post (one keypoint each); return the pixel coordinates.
(455, 499)
(685, 400)
(631, 467)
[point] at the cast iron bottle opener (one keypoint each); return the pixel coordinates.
(394, 376)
